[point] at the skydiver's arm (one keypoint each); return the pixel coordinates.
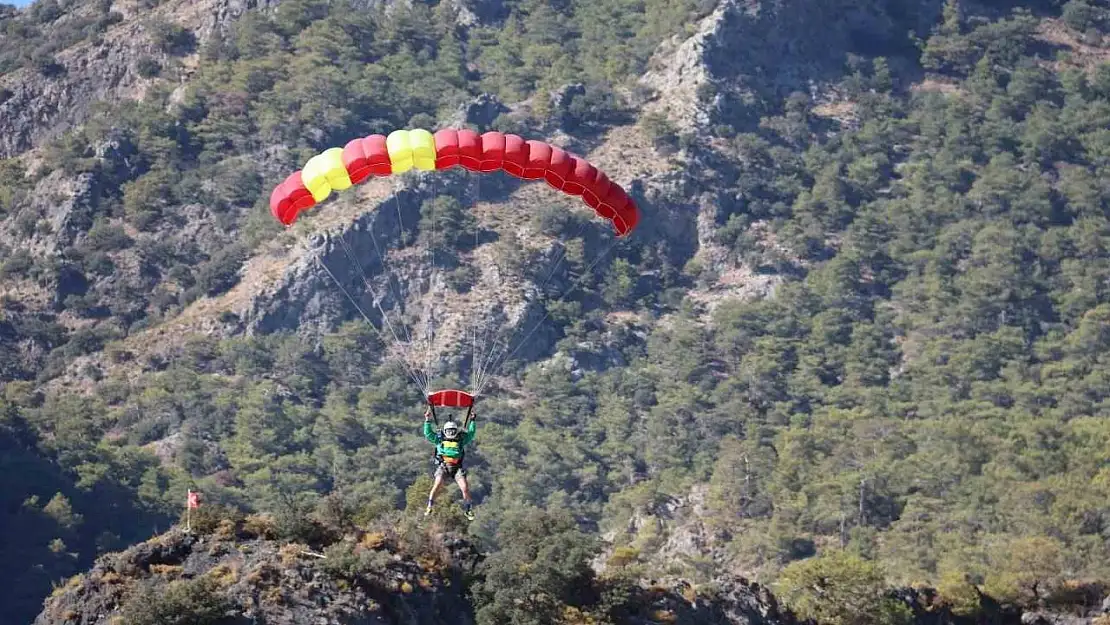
(430, 432)
(469, 435)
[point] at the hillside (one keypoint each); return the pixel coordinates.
(859, 331)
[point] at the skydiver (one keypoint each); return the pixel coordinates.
(449, 454)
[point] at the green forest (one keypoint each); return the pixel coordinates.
(922, 400)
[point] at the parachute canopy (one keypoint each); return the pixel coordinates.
(337, 169)
(451, 398)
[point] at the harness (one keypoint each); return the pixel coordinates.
(448, 460)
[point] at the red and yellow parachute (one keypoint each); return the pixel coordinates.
(337, 169)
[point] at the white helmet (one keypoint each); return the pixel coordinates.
(450, 429)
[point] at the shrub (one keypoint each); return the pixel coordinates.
(18, 265)
(222, 272)
(172, 38)
(198, 601)
(106, 237)
(148, 67)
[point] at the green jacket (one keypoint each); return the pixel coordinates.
(451, 449)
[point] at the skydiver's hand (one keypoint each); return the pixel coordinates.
(428, 415)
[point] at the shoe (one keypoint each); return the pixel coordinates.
(428, 510)
(469, 512)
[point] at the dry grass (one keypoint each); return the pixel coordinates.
(937, 85)
(1082, 55)
(226, 573)
(260, 525)
(372, 540)
(843, 111)
(171, 571)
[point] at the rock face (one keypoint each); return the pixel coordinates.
(58, 95)
(747, 54)
(480, 111)
(261, 581)
(731, 601)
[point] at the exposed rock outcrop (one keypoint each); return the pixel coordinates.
(260, 580)
(239, 575)
(747, 55)
(63, 90)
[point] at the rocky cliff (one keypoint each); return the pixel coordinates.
(236, 572)
(248, 578)
(240, 574)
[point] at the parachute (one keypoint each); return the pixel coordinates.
(451, 398)
(337, 169)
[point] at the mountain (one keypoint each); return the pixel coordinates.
(858, 334)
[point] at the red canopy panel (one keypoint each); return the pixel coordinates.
(447, 148)
(493, 151)
(290, 198)
(516, 156)
(451, 398)
(365, 157)
(558, 168)
(470, 149)
(539, 159)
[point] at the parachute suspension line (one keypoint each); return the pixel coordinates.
(412, 374)
(475, 368)
(475, 363)
(406, 347)
(482, 357)
(401, 235)
(369, 287)
(388, 276)
(561, 256)
(430, 355)
(547, 313)
(487, 360)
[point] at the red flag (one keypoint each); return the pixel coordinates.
(194, 501)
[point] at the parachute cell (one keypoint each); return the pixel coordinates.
(290, 198)
(367, 157)
(447, 148)
(470, 150)
(336, 169)
(493, 152)
(539, 159)
(411, 148)
(325, 173)
(558, 168)
(582, 176)
(516, 156)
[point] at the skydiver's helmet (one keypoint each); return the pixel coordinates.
(450, 430)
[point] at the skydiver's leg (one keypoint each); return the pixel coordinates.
(464, 486)
(436, 484)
